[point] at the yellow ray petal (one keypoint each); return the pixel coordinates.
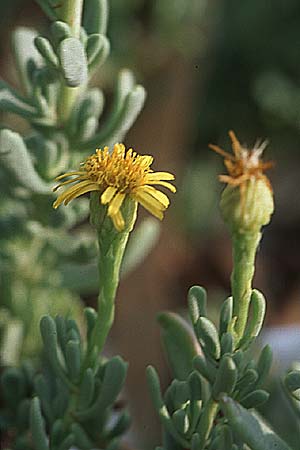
(108, 195)
(69, 174)
(72, 190)
(150, 199)
(67, 182)
(81, 192)
(166, 176)
(158, 195)
(165, 184)
(115, 204)
(118, 221)
(67, 198)
(149, 203)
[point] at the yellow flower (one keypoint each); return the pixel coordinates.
(116, 175)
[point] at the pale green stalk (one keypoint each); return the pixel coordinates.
(112, 244)
(245, 216)
(244, 251)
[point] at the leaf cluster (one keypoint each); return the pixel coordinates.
(217, 383)
(71, 400)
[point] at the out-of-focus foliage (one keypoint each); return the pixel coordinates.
(63, 113)
(71, 399)
(159, 25)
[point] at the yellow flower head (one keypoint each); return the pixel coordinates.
(116, 175)
(244, 164)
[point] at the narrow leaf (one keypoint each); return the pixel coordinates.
(46, 50)
(197, 300)
(179, 343)
(209, 338)
(226, 377)
(251, 428)
(25, 51)
(95, 16)
(16, 159)
(37, 426)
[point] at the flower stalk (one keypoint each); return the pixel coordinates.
(112, 244)
(244, 252)
(246, 206)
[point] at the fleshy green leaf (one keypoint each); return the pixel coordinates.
(16, 159)
(73, 62)
(225, 315)
(12, 101)
(255, 398)
(48, 9)
(181, 421)
(37, 426)
(25, 52)
(179, 343)
(226, 377)
(209, 338)
(60, 30)
(264, 364)
(46, 50)
(95, 16)
(73, 359)
(81, 438)
(115, 130)
(250, 427)
(292, 383)
(258, 307)
(197, 300)
(97, 50)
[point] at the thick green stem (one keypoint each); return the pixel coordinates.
(71, 13)
(112, 244)
(244, 250)
(109, 264)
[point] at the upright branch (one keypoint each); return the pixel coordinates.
(246, 205)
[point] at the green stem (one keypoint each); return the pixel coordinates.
(109, 269)
(244, 251)
(71, 13)
(112, 244)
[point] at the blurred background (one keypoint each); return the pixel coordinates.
(208, 67)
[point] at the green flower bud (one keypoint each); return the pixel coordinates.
(247, 210)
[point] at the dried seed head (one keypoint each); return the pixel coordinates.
(247, 201)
